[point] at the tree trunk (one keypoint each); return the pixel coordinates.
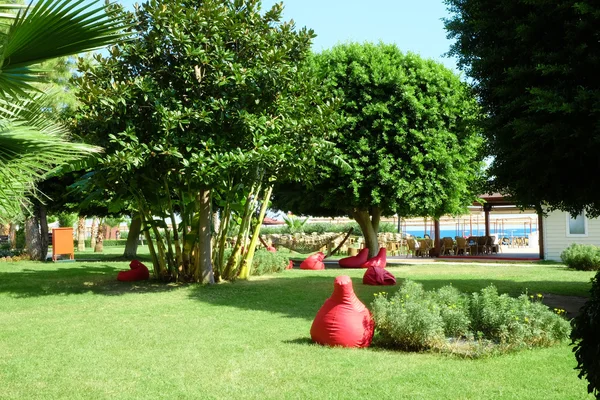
(131, 245)
(12, 236)
(81, 233)
(43, 231)
(204, 238)
(249, 257)
(94, 233)
(99, 245)
(369, 227)
(33, 244)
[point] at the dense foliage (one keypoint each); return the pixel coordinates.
(583, 257)
(414, 319)
(408, 140)
(586, 337)
(202, 113)
(534, 66)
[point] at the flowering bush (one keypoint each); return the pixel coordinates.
(413, 319)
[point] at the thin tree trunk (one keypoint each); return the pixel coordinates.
(232, 263)
(12, 236)
(43, 231)
(248, 258)
(99, 245)
(364, 221)
(131, 245)
(94, 233)
(178, 253)
(33, 238)
(205, 238)
(81, 233)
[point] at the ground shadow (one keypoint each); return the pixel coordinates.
(302, 296)
(101, 257)
(302, 340)
(95, 278)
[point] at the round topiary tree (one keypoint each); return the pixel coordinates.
(586, 338)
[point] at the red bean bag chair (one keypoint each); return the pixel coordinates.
(343, 320)
(314, 262)
(355, 261)
(379, 260)
(378, 276)
(137, 272)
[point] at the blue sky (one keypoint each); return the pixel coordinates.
(413, 25)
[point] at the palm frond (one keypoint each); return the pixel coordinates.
(51, 29)
(31, 145)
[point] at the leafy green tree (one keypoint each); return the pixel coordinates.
(201, 113)
(534, 66)
(408, 141)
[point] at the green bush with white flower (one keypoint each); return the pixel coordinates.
(447, 320)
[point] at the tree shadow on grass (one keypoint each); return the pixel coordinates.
(93, 278)
(302, 296)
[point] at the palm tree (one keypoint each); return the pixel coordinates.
(31, 143)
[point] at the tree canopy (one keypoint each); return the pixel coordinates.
(201, 113)
(408, 139)
(534, 66)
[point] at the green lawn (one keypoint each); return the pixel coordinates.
(70, 330)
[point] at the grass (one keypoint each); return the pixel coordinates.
(70, 330)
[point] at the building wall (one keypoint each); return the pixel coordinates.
(555, 234)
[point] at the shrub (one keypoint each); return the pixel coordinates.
(583, 257)
(586, 338)
(413, 319)
(408, 320)
(454, 310)
(265, 262)
(105, 243)
(515, 322)
(272, 230)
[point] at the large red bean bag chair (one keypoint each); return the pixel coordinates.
(355, 261)
(379, 260)
(343, 320)
(314, 262)
(378, 276)
(137, 272)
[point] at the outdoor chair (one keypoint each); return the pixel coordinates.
(462, 246)
(448, 246)
(473, 245)
(492, 246)
(413, 247)
(424, 247)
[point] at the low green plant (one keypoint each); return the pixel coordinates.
(582, 257)
(586, 338)
(5, 251)
(266, 262)
(515, 322)
(105, 243)
(454, 310)
(408, 320)
(484, 322)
